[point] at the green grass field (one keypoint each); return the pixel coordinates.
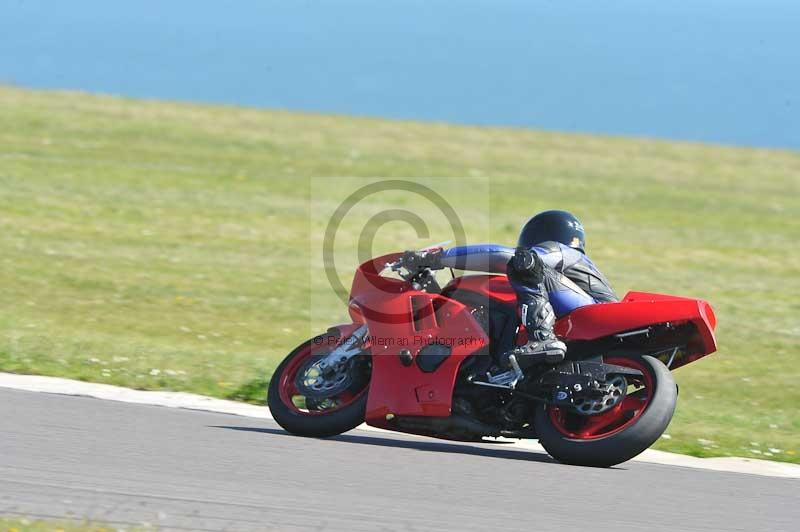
(174, 246)
(41, 525)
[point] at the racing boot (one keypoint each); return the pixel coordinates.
(526, 272)
(543, 346)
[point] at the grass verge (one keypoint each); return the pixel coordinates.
(47, 525)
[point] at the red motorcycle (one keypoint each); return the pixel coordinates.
(420, 358)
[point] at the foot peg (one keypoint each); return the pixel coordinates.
(551, 351)
(507, 380)
(537, 352)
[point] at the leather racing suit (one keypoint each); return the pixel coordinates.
(554, 280)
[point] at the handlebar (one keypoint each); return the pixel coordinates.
(416, 262)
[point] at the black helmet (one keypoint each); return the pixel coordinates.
(556, 226)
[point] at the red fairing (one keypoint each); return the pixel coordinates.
(401, 318)
(407, 390)
(495, 287)
(369, 289)
(638, 310)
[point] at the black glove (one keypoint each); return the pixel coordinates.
(526, 267)
(523, 259)
(415, 261)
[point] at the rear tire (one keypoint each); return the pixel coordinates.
(617, 447)
(318, 425)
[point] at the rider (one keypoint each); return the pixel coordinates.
(549, 272)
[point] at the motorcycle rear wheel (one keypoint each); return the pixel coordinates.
(312, 416)
(621, 433)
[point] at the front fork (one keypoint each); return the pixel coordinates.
(347, 349)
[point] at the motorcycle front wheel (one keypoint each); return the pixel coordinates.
(306, 404)
(615, 436)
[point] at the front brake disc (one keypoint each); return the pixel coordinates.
(311, 382)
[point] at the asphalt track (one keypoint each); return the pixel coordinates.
(127, 464)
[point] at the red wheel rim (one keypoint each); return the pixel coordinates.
(287, 389)
(617, 419)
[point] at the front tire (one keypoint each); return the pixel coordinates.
(608, 439)
(338, 414)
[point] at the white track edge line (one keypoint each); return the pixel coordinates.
(56, 385)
